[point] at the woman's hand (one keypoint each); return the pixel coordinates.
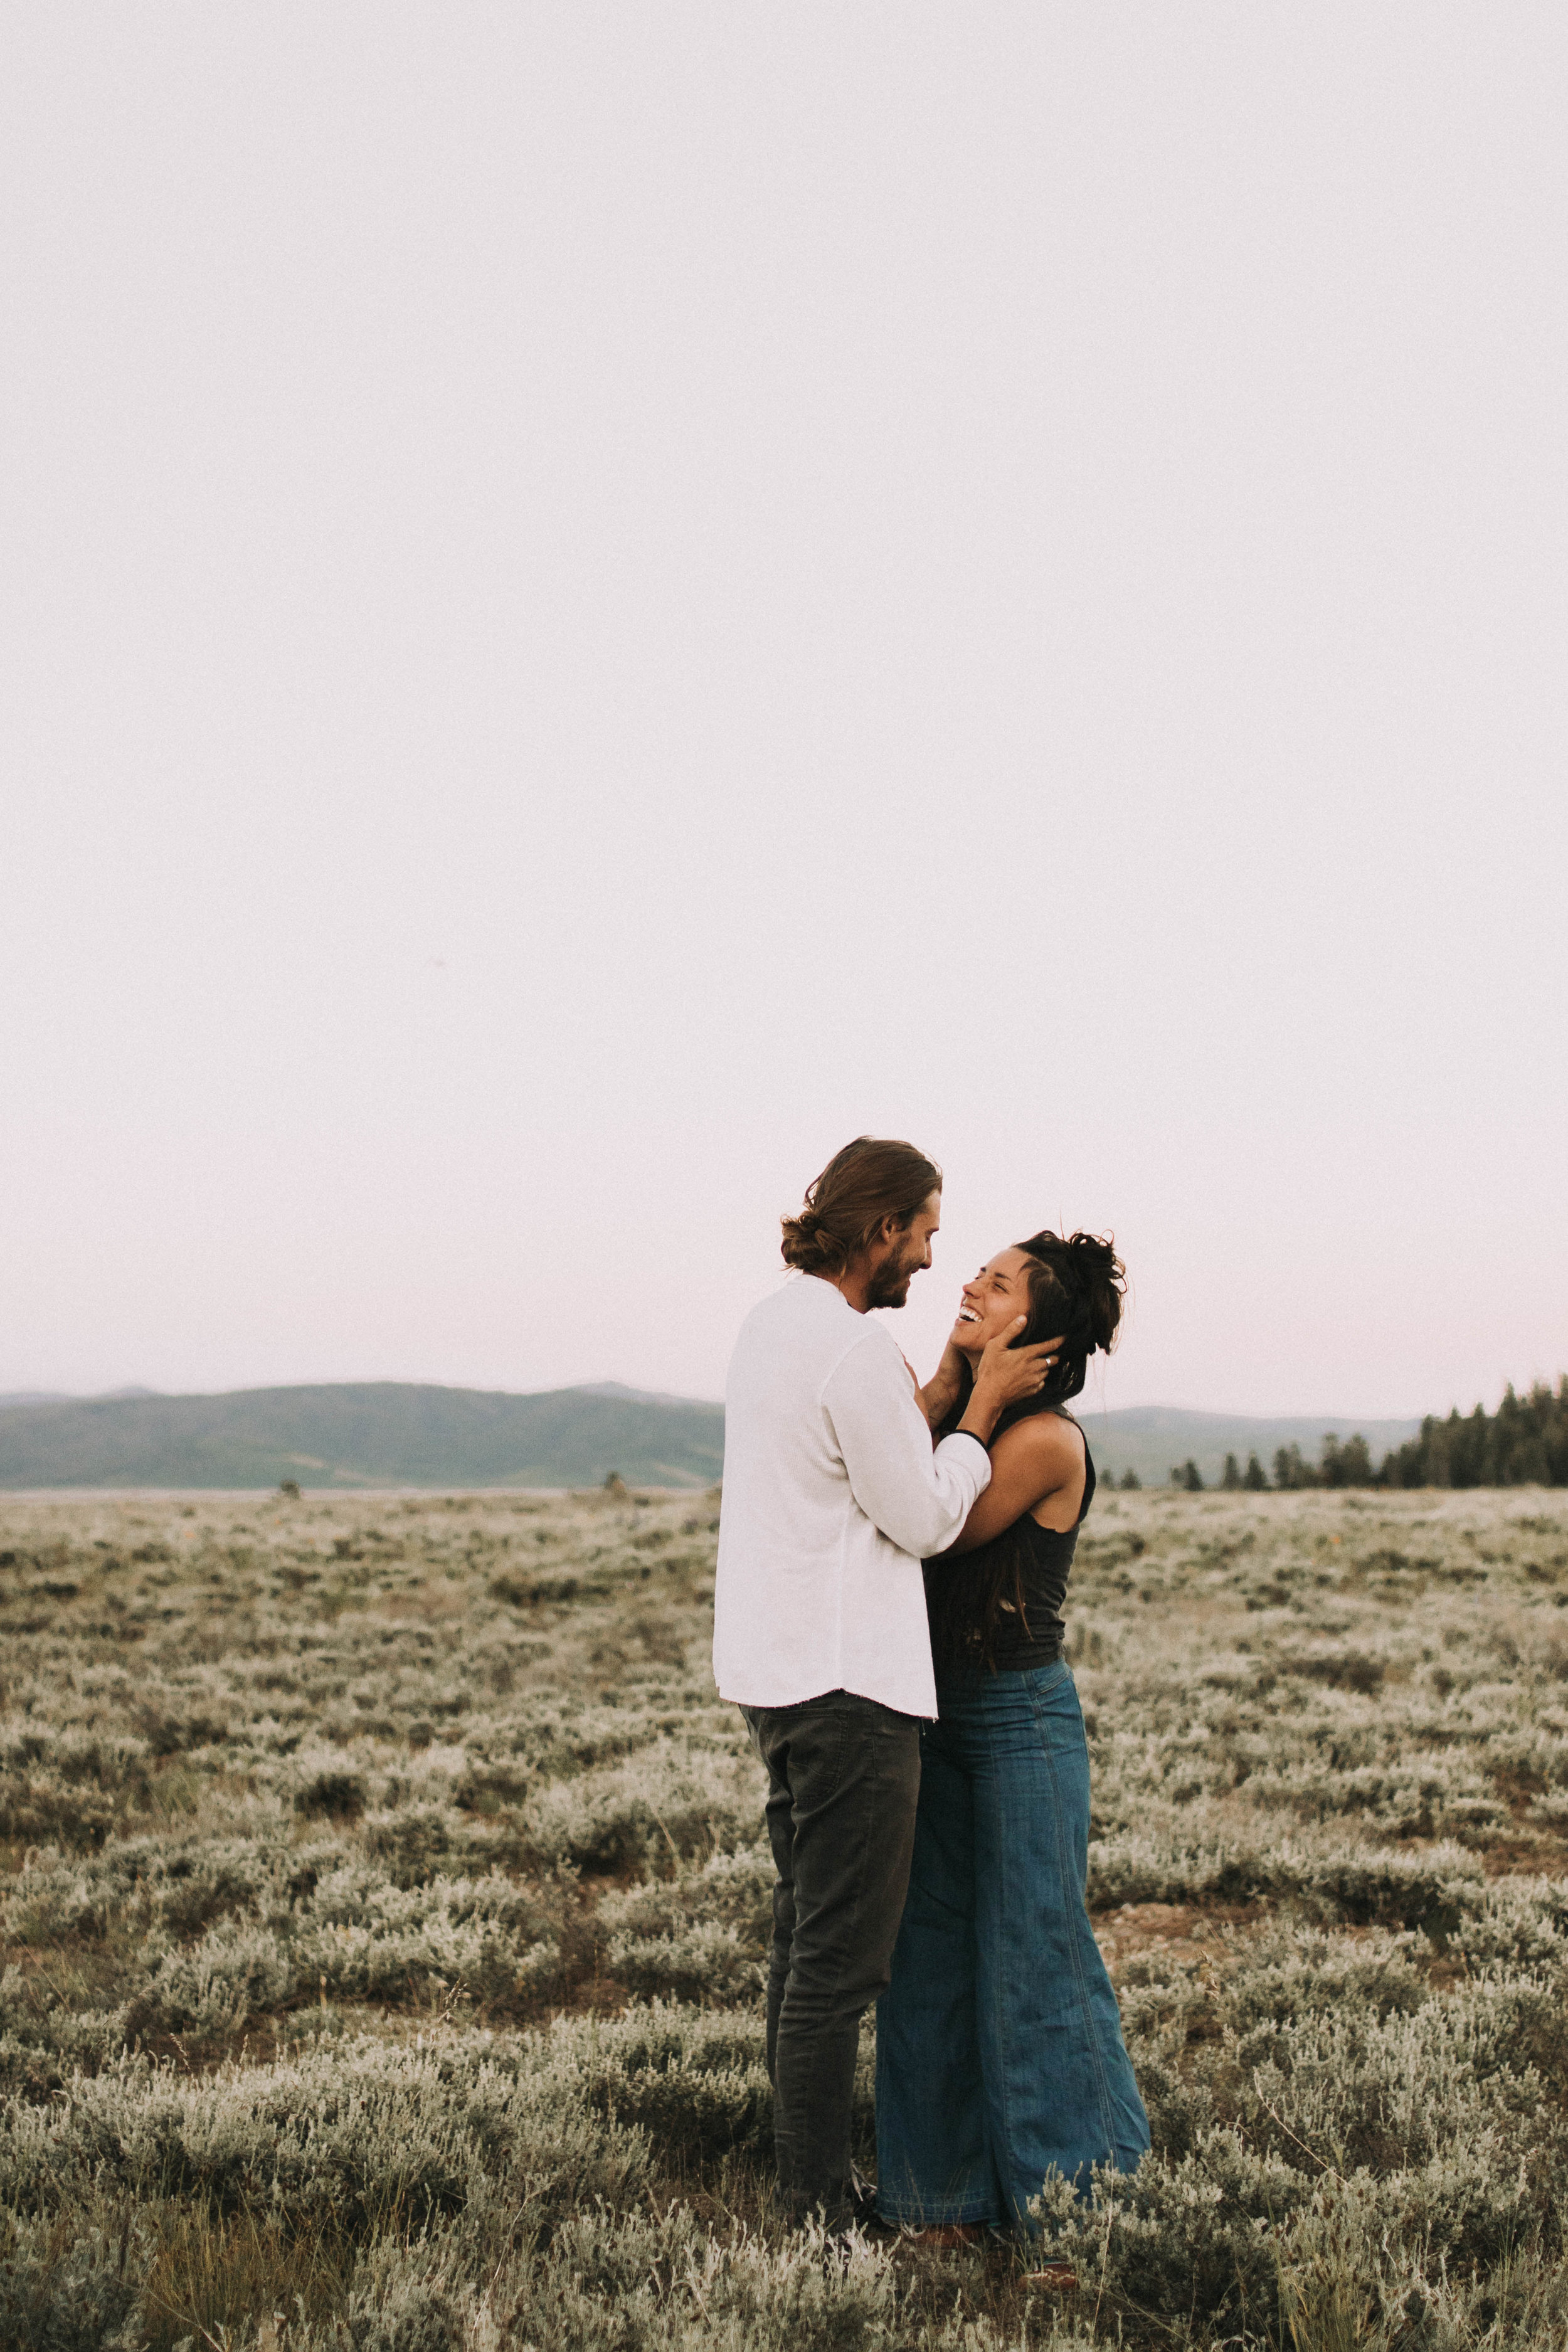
(1004, 1373)
(1008, 1372)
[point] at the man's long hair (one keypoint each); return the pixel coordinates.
(868, 1180)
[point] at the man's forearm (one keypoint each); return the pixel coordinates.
(941, 1392)
(981, 1414)
(937, 1399)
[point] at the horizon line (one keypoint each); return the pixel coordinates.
(22, 1398)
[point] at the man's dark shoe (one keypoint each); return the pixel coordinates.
(862, 2212)
(856, 2208)
(862, 2196)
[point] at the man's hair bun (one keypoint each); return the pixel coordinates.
(807, 1245)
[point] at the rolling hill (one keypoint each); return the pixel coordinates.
(1153, 1439)
(370, 1434)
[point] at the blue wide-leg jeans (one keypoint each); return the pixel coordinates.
(999, 2048)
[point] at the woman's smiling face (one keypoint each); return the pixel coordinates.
(997, 1296)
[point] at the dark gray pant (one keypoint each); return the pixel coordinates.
(844, 1779)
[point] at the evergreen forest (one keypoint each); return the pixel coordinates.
(1523, 1444)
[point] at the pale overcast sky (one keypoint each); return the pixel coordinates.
(597, 598)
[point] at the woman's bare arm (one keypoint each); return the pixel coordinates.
(1033, 1460)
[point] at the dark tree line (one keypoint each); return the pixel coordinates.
(1340, 1463)
(1523, 1444)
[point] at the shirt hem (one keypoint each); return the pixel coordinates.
(924, 1713)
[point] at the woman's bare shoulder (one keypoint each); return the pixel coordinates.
(1047, 1438)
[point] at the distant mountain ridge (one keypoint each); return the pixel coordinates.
(63, 1396)
(364, 1433)
(1152, 1440)
(343, 1434)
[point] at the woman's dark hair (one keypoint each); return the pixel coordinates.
(1076, 1289)
(868, 1180)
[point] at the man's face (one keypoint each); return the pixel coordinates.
(907, 1253)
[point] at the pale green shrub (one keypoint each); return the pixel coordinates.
(212, 1987)
(356, 2136)
(665, 1801)
(699, 1937)
(639, 2283)
(1523, 1920)
(79, 2295)
(695, 2080)
(709, 1961)
(404, 2299)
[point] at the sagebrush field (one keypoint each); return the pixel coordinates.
(384, 1902)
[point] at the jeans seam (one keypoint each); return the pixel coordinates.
(1070, 1878)
(1004, 2039)
(867, 1826)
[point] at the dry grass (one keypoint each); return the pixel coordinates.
(385, 1900)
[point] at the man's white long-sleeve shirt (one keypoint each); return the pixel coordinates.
(832, 1499)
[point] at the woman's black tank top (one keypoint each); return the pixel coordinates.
(1044, 1566)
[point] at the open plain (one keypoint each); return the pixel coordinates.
(383, 1907)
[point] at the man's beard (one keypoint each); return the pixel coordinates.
(890, 1286)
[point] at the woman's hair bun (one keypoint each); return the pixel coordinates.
(1092, 1254)
(1104, 1281)
(1086, 1280)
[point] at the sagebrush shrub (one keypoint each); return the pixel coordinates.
(70, 2291)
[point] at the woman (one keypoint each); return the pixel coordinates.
(999, 2048)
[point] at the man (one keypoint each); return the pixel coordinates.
(833, 1496)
